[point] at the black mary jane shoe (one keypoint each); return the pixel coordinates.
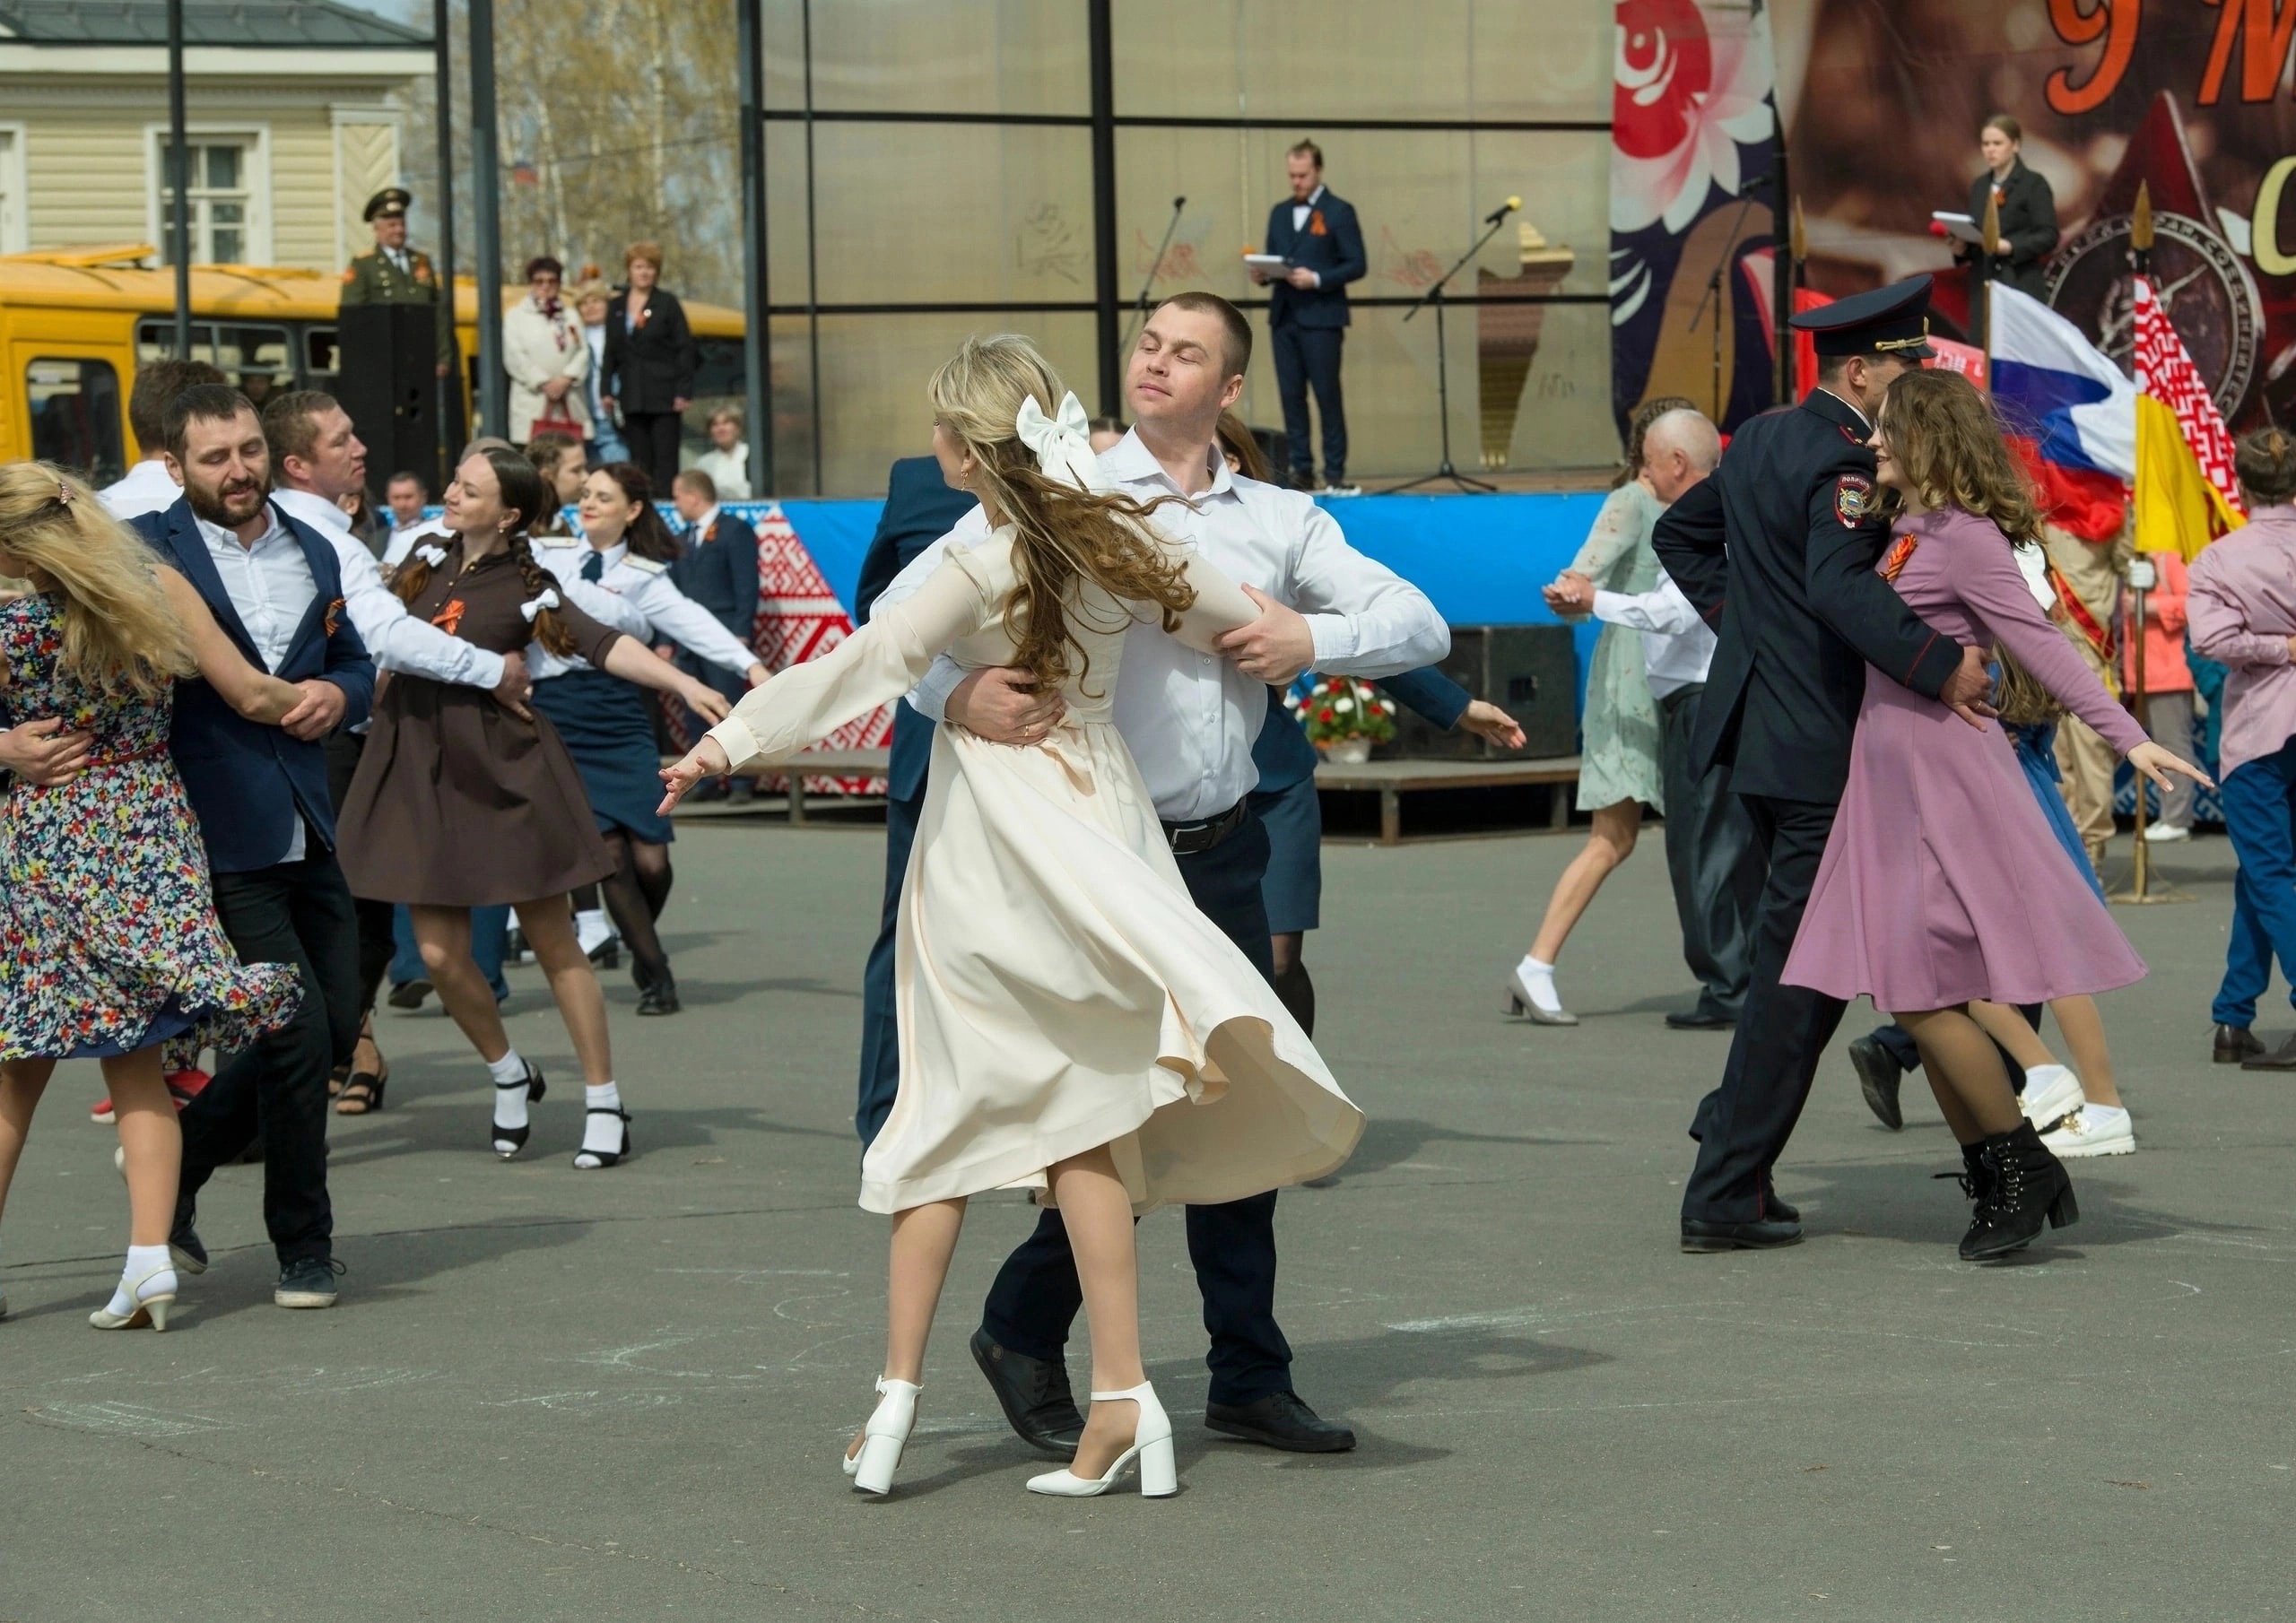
(605, 1158)
(515, 1137)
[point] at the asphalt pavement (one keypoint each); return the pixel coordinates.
(620, 1395)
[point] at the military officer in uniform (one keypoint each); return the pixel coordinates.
(391, 273)
(1776, 551)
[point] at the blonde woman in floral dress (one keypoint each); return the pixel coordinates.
(109, 941)
(1618, 771)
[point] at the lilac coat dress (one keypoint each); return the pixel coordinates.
(1941, 881)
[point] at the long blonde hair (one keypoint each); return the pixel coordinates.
(119, 634)
(1062, 535)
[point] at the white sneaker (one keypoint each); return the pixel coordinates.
(2052, 1091)
(1341, 490)
(2092, 1130)
(2162, 834)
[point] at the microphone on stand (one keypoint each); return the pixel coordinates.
(1501, 213)
(1140, 310)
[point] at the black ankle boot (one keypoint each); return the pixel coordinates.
(1975, 1177)
(2028, 1185)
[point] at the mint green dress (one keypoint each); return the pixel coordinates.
(1619, 754)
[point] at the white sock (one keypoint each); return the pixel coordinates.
(1538, 980)
(591, 929)
(142, 1260)
(601, 1135)
(510, 1102)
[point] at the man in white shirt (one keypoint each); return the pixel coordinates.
(1190, 720)
(317, 456)
(148, 486)
(1712, 855)
(405, 496)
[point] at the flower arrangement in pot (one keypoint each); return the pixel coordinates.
(1343, 716)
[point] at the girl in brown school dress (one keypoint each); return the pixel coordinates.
(461, 802)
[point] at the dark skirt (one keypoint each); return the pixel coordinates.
(608, 726)
(1293, 885)
(459, 804)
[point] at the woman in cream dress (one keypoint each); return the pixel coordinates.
(1069, 1021)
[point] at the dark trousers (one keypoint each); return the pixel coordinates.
(1309, 357)
(376, 944)
(2259, 798)
(880, 1025)
(653, 440)
(1036, 1296)
(1742, 1125)
(302, 914)
(1713, 860)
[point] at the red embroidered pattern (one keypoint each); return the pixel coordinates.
(2165, 370)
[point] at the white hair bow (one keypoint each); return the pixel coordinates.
(548, 600)
(433, 556)
(1062, 443)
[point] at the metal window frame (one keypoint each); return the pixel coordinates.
(1100, 122)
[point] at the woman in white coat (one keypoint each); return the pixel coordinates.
(548, 359)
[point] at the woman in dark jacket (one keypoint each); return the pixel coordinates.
(2028, 217)
(649, 364)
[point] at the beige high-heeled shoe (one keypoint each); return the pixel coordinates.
(1152, 1444)
(151, 1310)
(884, 1438)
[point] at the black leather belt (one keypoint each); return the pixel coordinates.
(1188, 838)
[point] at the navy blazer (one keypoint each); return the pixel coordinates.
(247, 782)
(721, 574)
(919, 509)
(1336, 253)
(1285, 757)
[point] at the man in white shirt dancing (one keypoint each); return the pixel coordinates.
(1190, 720)
(1711, 853)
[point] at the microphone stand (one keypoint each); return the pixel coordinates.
(1140, 310)
(1434, 296)
(1713, 294)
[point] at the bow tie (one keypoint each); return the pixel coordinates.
(593, 567)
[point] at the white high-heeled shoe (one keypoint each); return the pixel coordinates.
(1152, 1445)
(882, 1439)
(151, 1310)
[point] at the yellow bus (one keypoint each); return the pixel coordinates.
(75, 323)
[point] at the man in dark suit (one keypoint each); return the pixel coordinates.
(1799, 612)
(260, 793)
(920, 507)
(1307, 311)
(718, 570)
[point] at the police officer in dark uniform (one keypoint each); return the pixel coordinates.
(1777, 550)
(391, 273)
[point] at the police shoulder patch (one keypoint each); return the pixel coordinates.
(1853, 499)
(557, 541)
(645, 566)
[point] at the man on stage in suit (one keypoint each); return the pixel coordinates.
(1190, 720)
(919, 509)
(261, 796)
(1799, 612)
(718, 570)
(1317, 235)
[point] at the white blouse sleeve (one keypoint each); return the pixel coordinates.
(692, 627)
(876, 665)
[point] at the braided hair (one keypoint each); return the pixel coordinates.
(2264, 461)
(1644, 414)
(527, 497)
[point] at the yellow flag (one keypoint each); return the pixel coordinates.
(2177, 510)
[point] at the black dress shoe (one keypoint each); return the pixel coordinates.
(659, 997)
(1879, 1077)
(1280, 1420)
(1034, 1394)
(409, 995)
(1763, 1234)
(2234, 1044)
(2283, 1058)
(1701, 1019)
(1775, 1205)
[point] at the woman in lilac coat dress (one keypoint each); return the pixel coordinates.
(1942, 884)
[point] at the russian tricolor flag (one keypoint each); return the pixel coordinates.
(2070, 413)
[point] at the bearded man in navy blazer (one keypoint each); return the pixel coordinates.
(1307, 312)
(275, 587)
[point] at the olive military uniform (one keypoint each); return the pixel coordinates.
(406, 277)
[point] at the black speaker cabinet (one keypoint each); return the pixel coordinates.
(1529, 672)
(387, 379)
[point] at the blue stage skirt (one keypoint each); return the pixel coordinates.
(608, 728)
(1293, 885)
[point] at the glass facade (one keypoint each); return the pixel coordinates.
(930, 173)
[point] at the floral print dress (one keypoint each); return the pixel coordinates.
(108, 940)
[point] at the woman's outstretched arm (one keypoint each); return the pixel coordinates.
(254, 694)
